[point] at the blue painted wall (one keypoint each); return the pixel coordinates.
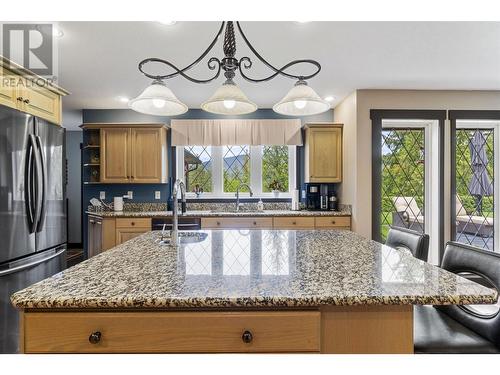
(145, 192)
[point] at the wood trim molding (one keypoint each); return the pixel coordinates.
(95, 125)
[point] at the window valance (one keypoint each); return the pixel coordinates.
(236, 132)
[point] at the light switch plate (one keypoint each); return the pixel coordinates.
(102, 195)
(130, 194)
(157, 195)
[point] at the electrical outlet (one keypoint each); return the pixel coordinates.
(130, 194)
(157, 195)
(102, 195)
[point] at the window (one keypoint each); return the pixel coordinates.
(217, 171)
(476, 188)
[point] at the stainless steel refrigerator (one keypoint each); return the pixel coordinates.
(32, 210)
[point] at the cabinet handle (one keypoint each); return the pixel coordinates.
(218, 223)
(19, 98)
(247, 337)
(91, 221)
(27, 101)
(254, 223)
(132, 223)
(294, 222)
(98, 223)
(95, 337)
(333, 221)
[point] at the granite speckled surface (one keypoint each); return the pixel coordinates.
(192, 213)
(252, 268)
(210, 209)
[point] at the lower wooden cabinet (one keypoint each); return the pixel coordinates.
(237, 222)
(128, 228)
(293, 223)
(116, 231)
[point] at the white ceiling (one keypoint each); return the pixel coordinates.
(98, 60)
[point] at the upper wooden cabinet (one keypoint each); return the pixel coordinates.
(132, 153)
(115, 155)
(22, 90)
(323, 153)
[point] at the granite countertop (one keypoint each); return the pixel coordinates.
(252, 268)
(206, 213)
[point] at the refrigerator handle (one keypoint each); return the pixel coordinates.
(42, 186)
(31, 264)
(29, 190)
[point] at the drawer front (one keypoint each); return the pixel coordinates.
(294, 222)
(333, 222)
(237, 222)
(171, 332)
(133, 223)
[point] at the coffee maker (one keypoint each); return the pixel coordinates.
(317, 196)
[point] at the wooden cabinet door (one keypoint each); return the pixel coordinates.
(125, 234)
(41, 102)
(115, 155)
(8, 88)
(324, 154)
(146, 155)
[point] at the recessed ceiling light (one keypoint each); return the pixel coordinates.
(123, 99)
(329, 98)
(168, 23)
(57, 32)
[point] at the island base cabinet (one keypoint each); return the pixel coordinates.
(361, 329)
(171, 332)
(367, 329)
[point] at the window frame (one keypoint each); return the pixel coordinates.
(255, 173)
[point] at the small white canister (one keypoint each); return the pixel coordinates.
(118, 204)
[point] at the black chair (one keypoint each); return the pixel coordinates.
(461, 329)
(415, 242)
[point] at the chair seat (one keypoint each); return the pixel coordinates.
(437, 333)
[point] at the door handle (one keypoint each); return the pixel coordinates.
(28, 185)
(42, 184)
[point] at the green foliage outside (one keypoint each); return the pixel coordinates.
(238, 172)
(274, 167)
(403, 170)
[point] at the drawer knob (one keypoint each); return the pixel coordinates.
(132, 223)
(27, 101)
(247, 337)
(294, 222)
(218, 223)
(19, 98)
(254, 223)
(333, 221)
(95, 337)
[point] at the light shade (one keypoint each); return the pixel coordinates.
(301, 100)
(229, 100)
(157, 99)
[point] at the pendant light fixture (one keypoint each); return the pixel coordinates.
(157, 99)
(229, 99)
(301, 100)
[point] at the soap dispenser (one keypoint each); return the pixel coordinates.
(260, 205)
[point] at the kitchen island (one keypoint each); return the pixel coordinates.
(328, 291)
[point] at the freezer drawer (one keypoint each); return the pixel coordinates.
(19, 275)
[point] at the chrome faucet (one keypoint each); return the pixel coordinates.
(175, 214)
(238, 194)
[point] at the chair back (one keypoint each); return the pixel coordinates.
(402, 238)
(460, 258)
